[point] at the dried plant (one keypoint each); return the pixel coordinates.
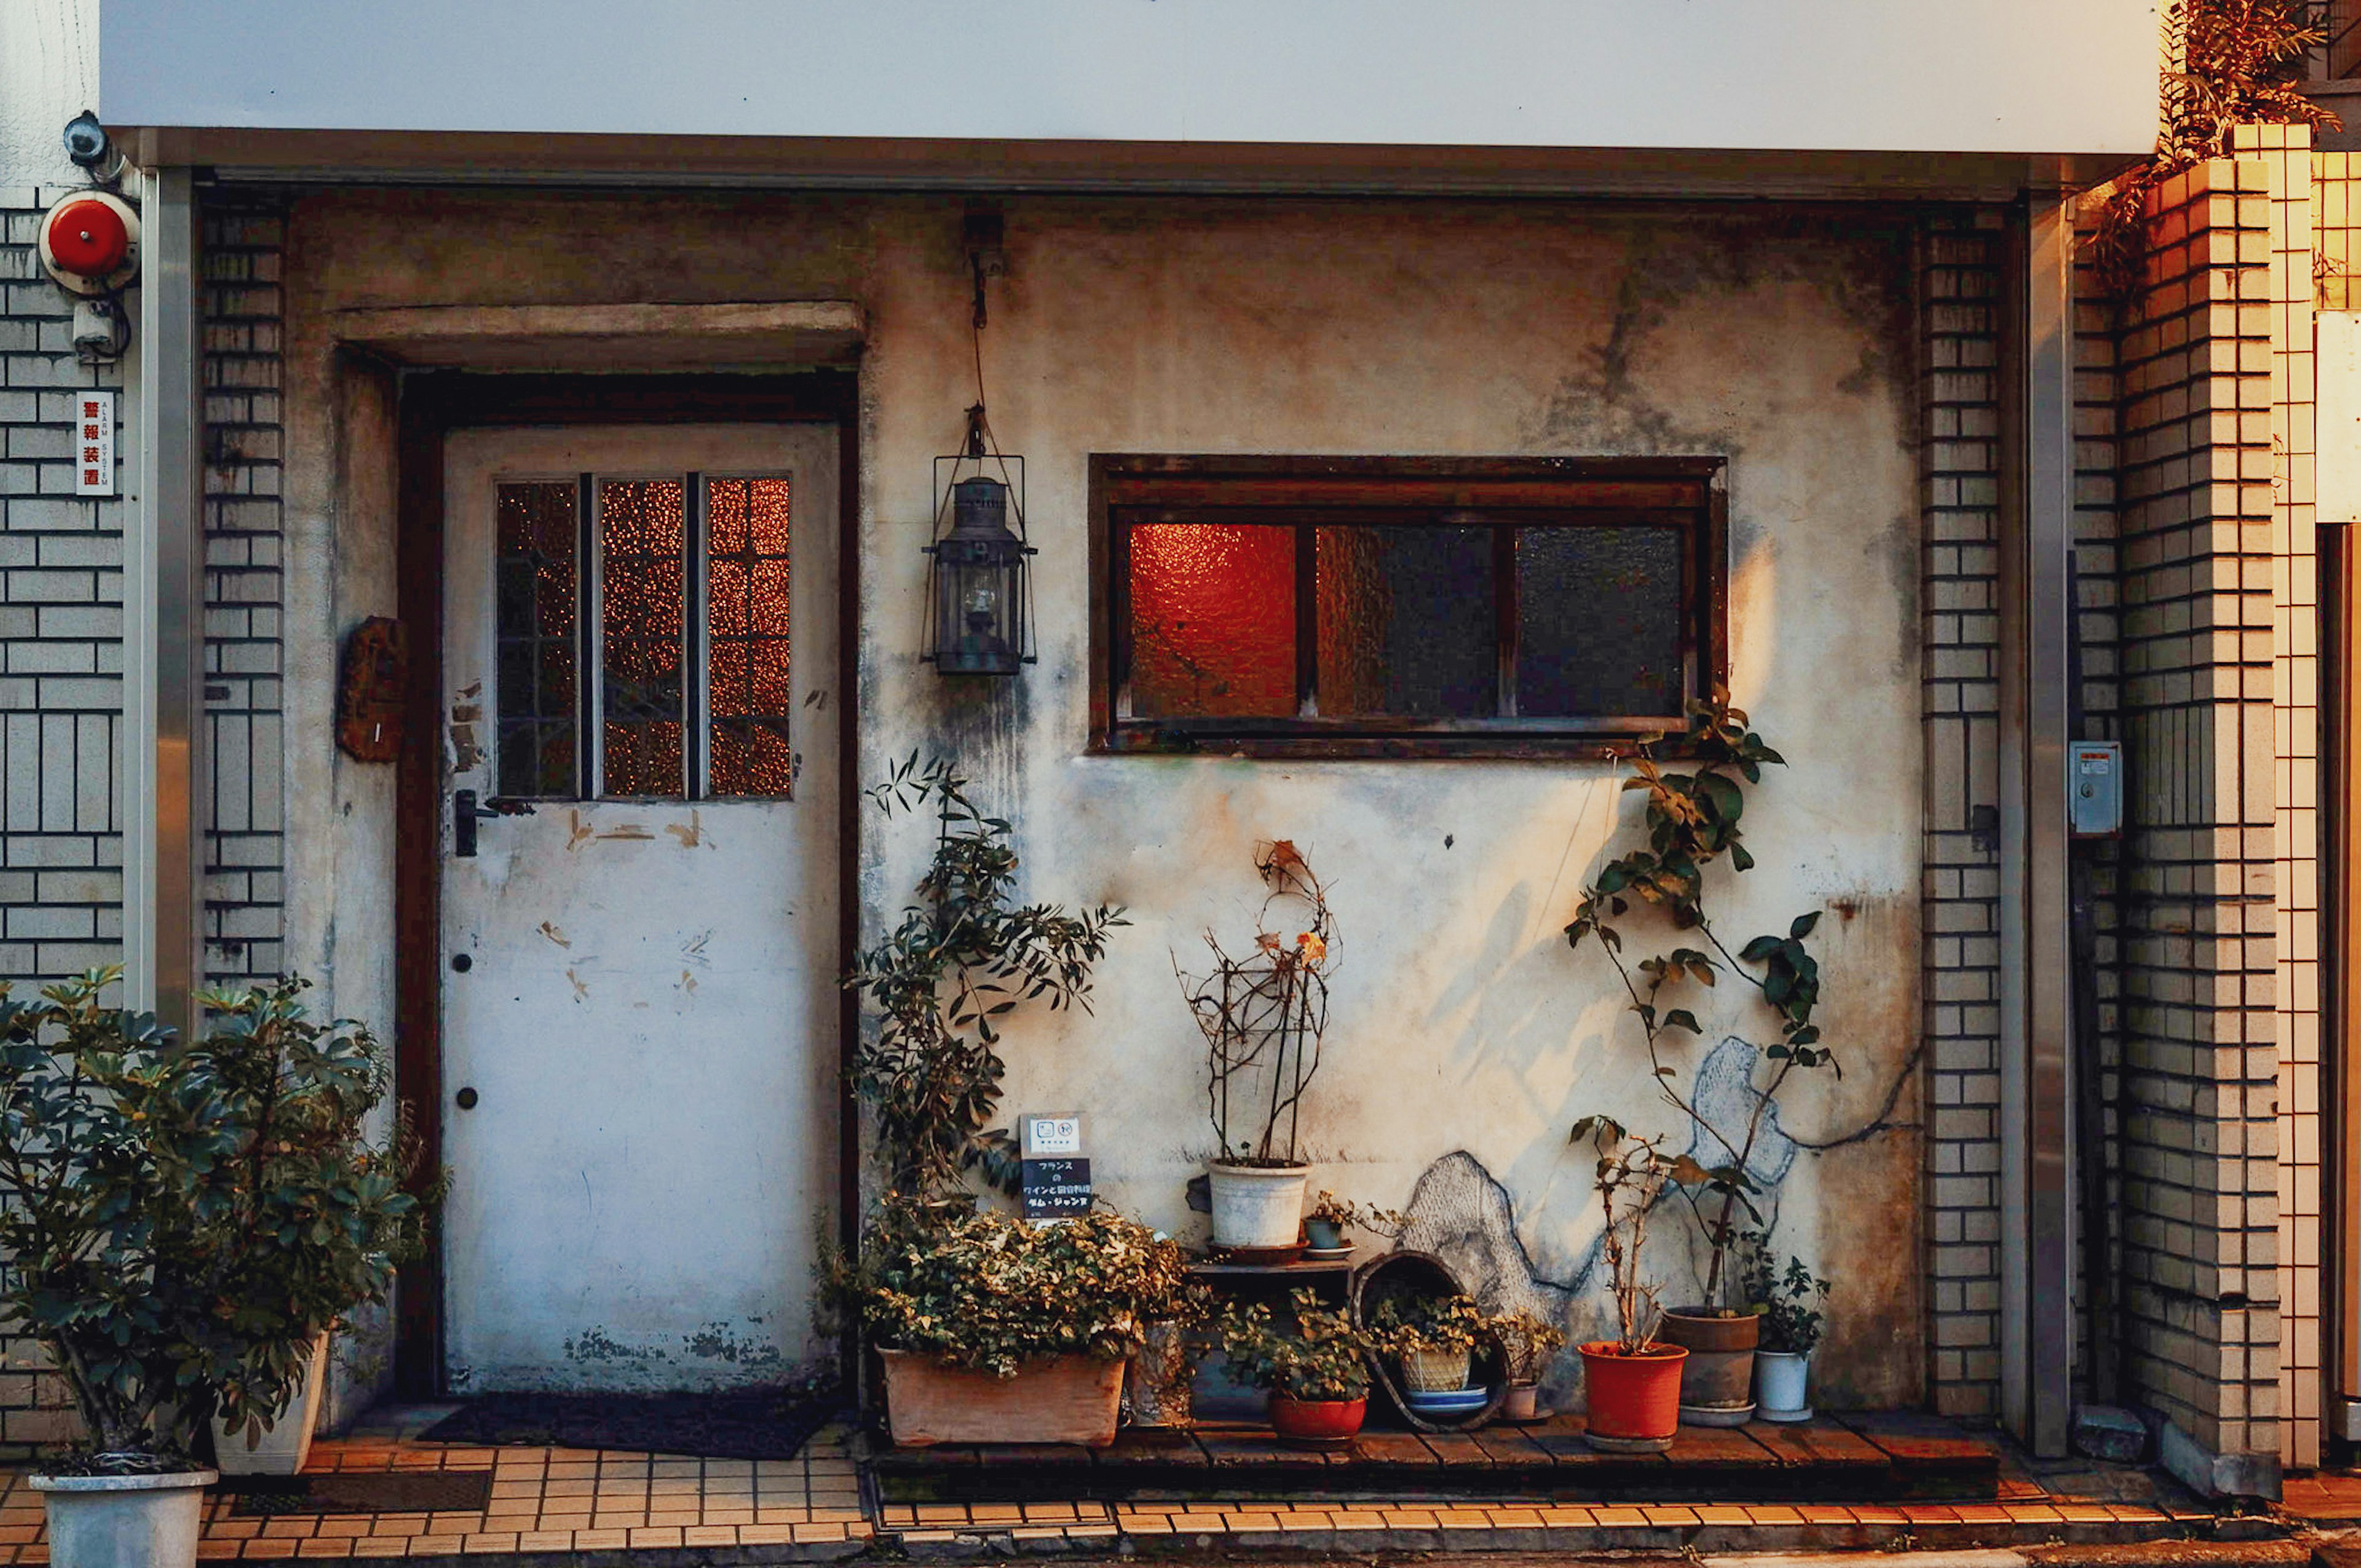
(1263, 1016)
(1632, 1172)
(1525, 1343)
(2237, 64)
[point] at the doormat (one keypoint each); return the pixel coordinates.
(731, 1423)
(361, 1492)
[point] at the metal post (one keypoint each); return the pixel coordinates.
(2037, 996)
(163, 603)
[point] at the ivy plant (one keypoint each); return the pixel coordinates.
(941, 981)
(1693, 820)
(981, 1290)
(1322, 1357)
(183, 1221)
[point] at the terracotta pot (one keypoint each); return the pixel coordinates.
(1059, 1399)
(1521, 1402)
(1634, 1400)
(1718, 1377)
(1316, 1419)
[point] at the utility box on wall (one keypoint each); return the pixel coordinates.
(2094, 789)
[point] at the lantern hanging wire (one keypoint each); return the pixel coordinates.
(979, 577)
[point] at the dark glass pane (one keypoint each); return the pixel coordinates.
(535, 594)
(1212, 621)
(1598, 622)
(1406, 623)
(746, 621)
(643, 566)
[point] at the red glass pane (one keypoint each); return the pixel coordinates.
(643, 569)
(1212, 621)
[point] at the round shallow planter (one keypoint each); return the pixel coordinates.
(1434, 1371)
(1718, 1378)
(124, 1522)
(282, 1450)
(1257, 1205)
(1783, 1380)
(1316, 1420)
(1634, 1401)
(1058, 1399)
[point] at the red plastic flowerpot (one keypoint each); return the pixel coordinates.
(1633, 1399)
(1316, 1419)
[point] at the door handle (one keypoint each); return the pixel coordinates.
(465, 815)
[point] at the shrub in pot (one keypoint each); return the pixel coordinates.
(1525, 1343)
(1263, 1016)
(1316, 1367)
(1693, 820)
(185, 1221)
(1432, 1338)
(1791, 1332)
(1632, 1384)
(994, 1330)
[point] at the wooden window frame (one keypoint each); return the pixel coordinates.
(1690, 491)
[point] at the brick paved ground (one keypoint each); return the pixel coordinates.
(609, 1510)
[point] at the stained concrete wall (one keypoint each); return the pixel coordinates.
(1465, 1036)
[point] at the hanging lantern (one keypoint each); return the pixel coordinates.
(980, 590)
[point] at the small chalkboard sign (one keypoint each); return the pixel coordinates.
(1056, 1189)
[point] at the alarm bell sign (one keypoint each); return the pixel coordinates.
(93, 443)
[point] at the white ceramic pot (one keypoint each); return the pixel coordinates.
(1257, 1205)
(282, 1450)
(124, 1522)
(1780, 1385)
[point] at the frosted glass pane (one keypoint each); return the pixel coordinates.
(1406, 623)
(535, 594)
(1212, 621)
(643, 573)
(746, 621)
(1598, 622)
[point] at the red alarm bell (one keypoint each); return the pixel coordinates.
(90, 242)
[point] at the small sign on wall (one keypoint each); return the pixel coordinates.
(93, 443)
(1056, 1189)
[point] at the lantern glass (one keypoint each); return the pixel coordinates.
(979, 584)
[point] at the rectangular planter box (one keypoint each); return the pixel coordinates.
(1059, 1399)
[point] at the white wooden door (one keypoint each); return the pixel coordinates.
(639, 955)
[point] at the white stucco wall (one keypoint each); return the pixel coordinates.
(1462, 1026)
(49, 73)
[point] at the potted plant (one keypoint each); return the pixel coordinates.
(1317, 1369)
(1632, 1384)
(183, 1221)
(1433, 1339)
(1525, 1343)
(1329, 1226)
(995, 1331)
(1693, 819)
(1262, 1016)
(1160, 1381)
(1791, 1332)
(941, 981)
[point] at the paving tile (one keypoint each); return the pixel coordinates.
(545, 1540)
(601, 1539)
(651, 1535)
(318, 1547)
(765, 1534)
(492, 1541)
(710, 1535)
(379, 1546)
(260, 1547)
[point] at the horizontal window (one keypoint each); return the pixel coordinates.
(1344, 605)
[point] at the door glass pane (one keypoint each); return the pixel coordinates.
(1406, 623)
(1212, 621)
(746, 637)
(643, 531)
(1598, 622)
(535, 748)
